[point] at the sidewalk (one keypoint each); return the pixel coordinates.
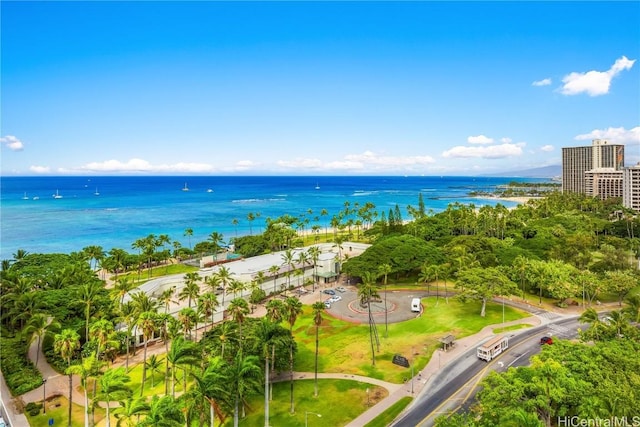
(438, 360)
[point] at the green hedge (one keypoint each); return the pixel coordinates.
(19, 372)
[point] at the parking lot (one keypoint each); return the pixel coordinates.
(342, 302)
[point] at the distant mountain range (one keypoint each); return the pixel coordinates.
(544, 172)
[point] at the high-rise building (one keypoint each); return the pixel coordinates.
(603, 183)
(631, 187)
(578, 160)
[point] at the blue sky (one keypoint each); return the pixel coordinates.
(294, 88)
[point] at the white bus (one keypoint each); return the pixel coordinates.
(492, 348)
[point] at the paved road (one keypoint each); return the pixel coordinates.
(456, 384)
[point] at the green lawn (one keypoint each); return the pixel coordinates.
(338, 402)
(58, 409)
(385, 418)
(511, 328)
(345, 347)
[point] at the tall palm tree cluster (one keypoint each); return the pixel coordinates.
(204, 378)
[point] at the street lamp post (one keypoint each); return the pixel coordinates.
(412, 354)
(367, 397)
(306, 417)
(44, 395)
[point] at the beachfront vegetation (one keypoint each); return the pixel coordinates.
(567, 249)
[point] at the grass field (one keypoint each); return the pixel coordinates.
(338, 402)
(57, 409)
(345, 347)
(385, 418)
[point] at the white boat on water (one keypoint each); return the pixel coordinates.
(185, 188)
(317, 186)
(209, 190)
(25, 197)
(57, 195)
(36, 198)
(96, 193)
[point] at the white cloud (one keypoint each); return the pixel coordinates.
(594, 83)
(490, 152)
(140, 165)
(615, 135)
(543, 82)
(480, 139)
(361, 161)
(12, 143)
(300, 163)
(40, 169)
(506, 140)
(547, 147)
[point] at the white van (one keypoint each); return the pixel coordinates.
(415, 305)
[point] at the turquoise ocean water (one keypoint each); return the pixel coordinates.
(128, 208)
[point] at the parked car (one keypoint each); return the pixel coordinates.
(327, 304)
(335, 298)
(341, 289)
(329, 292)
(546, 340)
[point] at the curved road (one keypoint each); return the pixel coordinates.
(454, 386)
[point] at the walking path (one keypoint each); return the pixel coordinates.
(435, 363)
(58, 384)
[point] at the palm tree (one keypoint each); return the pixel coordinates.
(250, 217)
(188, 232)
(237, 287)
(225, 278)
(166, 298)
(633, 307)
(121, 288)
(238, 309)
(314, 255)
(521, 265)
(187, 318)
(65, 344)
(103, 332)
(113, 386)
(368, 291)
(210, 389)
(163, 412)
(275, 310)
(590, 315)
(89, 367)
(128, 315)
(273, 270)
(153, 365)
(385, 269)
(244, 378)
(216, 241)
(292, 309)
(182, 352)
(38, 327)
(208, 302)
(191, 289)
(225, 334)
(147, 324)
(129, 411)
(266, 335)
(318, 309)
(87, 297)
(287, 260)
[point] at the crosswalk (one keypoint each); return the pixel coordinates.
(560, 330)
(547, 314)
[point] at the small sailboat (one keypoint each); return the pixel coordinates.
(36, 198)
(209, 190)
(57, 195)
(96, 192)
(317, 186)
(185, 188)
(25, 197)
